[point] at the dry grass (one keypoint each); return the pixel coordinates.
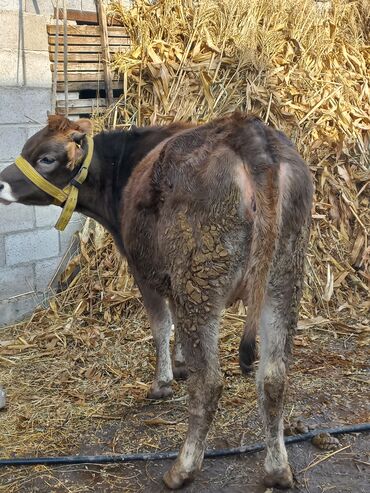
(77, 374)
(300, 69)
(87, 360)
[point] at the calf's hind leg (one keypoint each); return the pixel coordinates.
(271, 383)
(278, 322)
(179, 369)
(180, 372)
(198, 336)
(160, 323)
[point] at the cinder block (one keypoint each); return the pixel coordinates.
(11, 67)
(2, 250)
(16, 217)
(17, 308)
(9, 32)
(34, 245)
(11, 5)
(66, 236)
(24, 58)
(8, 4)
(75, 4)
(29, 68)
(37, 69)
(24, 105)
(88, 5)
(23, 30)
(46, 7)
(47, 216)
(45, 273)
(34, 32)
(16, 280)
(43, 7)
(12, 141)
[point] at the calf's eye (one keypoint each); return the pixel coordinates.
(47, 160)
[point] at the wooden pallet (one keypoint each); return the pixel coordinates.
(82, 106)
(84, 17)
(85, 63)
(85, 68)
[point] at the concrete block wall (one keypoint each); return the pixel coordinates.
(31, 254)
(30, 248)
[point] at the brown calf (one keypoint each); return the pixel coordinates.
(205, 215)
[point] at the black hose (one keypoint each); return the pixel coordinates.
(109, 459)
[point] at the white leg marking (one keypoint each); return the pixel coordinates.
(178, 354)
(161, 333)
(161, 330)
(271, 376)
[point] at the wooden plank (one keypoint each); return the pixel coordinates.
(91, 40)
(85, 17)
(82, 106)
(88, 102)
(80, 111)
(80, 67)
(78, 57)
(88, 31)
(89, 49)
(81, 76)
(81, 85)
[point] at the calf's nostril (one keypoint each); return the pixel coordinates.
(1, 186)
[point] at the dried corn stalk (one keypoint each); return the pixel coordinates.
(300, 68)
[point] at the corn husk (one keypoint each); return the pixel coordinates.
(79, 369)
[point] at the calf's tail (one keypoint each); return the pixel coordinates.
(259, 150)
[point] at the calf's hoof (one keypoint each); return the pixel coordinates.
(157, 392)
(175, 479)
(180, 372)
(283, 478)
(246, 370)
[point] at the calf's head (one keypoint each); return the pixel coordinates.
(55, 153)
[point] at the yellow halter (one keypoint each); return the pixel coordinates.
(69, 195)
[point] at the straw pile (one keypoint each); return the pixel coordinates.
(88, 357)
(302, 68)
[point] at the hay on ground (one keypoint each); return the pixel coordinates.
(87, 360)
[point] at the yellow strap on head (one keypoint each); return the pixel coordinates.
(38, 180)
(68, 210)
(72, 189)
(69, 194)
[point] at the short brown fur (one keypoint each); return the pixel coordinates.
(205, 215)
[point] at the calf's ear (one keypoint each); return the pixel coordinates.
(81, 127)
(85, 126)
(77, 136)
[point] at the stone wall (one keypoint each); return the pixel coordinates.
(30, 248)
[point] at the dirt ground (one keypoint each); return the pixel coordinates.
(346, 472)
(328, 387)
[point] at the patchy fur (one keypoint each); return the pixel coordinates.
(205, 215)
